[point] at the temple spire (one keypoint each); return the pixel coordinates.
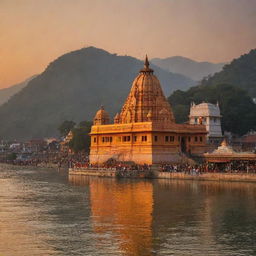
(146, 66)
(146, 63)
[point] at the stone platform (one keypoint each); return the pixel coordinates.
(112, 173)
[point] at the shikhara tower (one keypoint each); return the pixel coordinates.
(145, 131)
(146, 101)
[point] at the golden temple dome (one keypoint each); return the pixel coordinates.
(101, 117)
(146, 96)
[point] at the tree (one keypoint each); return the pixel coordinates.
(181, 113)
(81, 138)
(66, 127)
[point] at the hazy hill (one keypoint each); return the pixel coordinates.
(187, 67)
(7, 93)
(72, 88)
(240, 72)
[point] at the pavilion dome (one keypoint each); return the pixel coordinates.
(101, 117)
(146, 96)
(205, 109)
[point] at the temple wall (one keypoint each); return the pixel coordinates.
(198, 149)
(138, 154)
(160, 158)
(145, 154)
(150, 151)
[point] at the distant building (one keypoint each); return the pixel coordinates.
(35, 145)
(249, 141)
(145, 131)
(64, 145)
(50, 140)
(15, 146)
(209, 115)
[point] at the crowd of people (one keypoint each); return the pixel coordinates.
(121, 166)
(192, 169)
(81, 160)
(231, 167)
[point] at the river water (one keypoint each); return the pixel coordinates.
(42, 212)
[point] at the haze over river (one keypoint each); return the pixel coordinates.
(44, 213)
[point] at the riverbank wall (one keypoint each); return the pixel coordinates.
(112, 173)
(237, 177)
(93, 172)
(234, 177)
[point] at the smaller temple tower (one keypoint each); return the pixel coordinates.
(209, 115)
(101, 117)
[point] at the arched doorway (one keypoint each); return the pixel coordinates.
(183, 145)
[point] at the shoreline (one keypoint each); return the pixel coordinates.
(39, 166)
(231, 177)
(153, 174)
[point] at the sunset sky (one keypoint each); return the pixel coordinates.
(35, 32)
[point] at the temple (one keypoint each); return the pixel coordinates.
(207, 114)
(145, 131)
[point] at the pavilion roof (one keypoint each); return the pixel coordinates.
(225, 153)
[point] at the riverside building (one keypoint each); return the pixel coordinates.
(145, 131)
(209, 115)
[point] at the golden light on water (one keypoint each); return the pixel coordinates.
(125, 210)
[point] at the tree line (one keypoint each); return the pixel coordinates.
(80, 140)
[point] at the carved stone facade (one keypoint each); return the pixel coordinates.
(145, 131)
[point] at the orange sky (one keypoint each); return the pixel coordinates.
(35, 32)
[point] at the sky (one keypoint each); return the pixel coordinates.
(34, 33)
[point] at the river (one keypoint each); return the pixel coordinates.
(42, 212)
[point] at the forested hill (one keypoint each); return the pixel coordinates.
(240, 72)
(72, 88)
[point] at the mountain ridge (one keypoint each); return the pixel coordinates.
(8, 92)
(195, 70)
(240, 72)
(73, 87)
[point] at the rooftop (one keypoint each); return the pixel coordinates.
(205, 109)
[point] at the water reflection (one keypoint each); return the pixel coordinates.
(165, 217)
(44, 213)
(123, 210)
(213, 217)
(19, 221)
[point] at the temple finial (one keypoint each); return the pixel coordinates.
(146, 68)
(146, 63)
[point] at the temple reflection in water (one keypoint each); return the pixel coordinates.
(144, 217)
(124, 210)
